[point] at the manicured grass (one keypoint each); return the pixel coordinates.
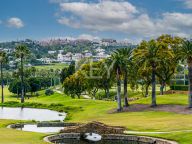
(10, 136)
(52, 66)
(139, 121)
(179, 99)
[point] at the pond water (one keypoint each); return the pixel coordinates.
(75, 141)
(34, 128)
(31, 114)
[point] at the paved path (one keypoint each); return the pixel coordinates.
(58, 91)
(160, 132)
(84, 96)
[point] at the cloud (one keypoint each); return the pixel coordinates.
(106, 10)
(82, 36)
(15, 22)
(123, 17)
(87, 36)
(62, 1)
(188, 4)
(96, 16)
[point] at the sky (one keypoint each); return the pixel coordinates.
(131, 20)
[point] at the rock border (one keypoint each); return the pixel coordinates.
(145, 139)
(43, 124)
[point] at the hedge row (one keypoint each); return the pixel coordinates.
(179, 87)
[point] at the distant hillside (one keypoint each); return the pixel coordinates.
(40, 49)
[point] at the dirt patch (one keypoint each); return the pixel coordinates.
(176, 92)
(165, 108)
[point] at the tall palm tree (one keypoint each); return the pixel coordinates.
(3, 60)
(22, 51)
(152, 53)
(117, 60)
(186, 54)
(127, 57)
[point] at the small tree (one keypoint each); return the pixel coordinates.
(75, 84)
(16, 88)
(66, 72)
(34, 84)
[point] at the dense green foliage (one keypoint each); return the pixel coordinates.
(67, 71)
(179, 87)
(49, 92)
(16, 87)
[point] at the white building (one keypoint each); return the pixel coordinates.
(87, 55)
(60, 51)
(63, 58)
(77, 56)
(52, 52)
(100, 50)
(46, 60)
(100, 56)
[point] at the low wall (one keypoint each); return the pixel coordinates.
(149, 140)
(15, 126)
(56, 124)
(45, 124)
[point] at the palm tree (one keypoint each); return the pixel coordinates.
(3, 60)
(22, 52)
(186, 54)
(152, 53)
(127, 57)
(117, 60)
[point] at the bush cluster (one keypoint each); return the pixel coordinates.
(179, 87)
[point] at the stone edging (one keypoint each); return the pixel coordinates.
(43, 124)
(149, 140)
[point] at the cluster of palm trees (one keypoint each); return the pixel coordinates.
(166, 51)
(122, 61)
(21, 52)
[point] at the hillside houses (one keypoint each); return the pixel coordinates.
(65, 58)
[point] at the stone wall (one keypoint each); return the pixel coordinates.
(134, 138)
(45, 124)
(149, 140)
(16, 126)
(56, 124)
(53, 138)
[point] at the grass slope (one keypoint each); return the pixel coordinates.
(10, 136)
(51, 66)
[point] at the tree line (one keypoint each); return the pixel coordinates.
(25, 79)
(150, 62)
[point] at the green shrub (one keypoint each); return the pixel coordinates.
(37, 94)
(179, 87)
(49, 92)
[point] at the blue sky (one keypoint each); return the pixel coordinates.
(120, 19)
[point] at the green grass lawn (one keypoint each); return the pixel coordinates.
(52, 66)
(10, 136)
(97, 110)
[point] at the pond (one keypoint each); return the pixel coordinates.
(31, 114)
(35, 128)
(75, 141)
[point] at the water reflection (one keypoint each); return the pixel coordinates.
(34, 128)
(30, 114)
(75, 141)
